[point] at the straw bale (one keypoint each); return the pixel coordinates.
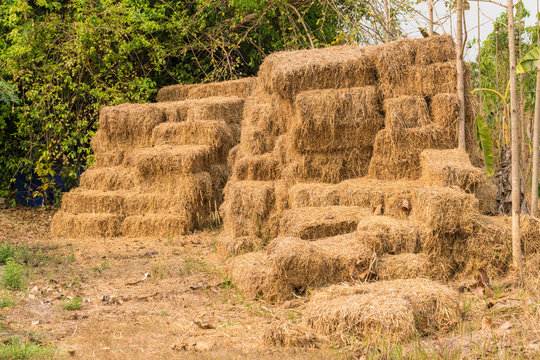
(486, 193)
(241, 88)
(227, 246)
(225, 109)
(291, 266)
(402, 266)
(445, 110)
(109, 159)
(434, 49)
(395, 236)
(289, 73)
(167, 159)
(93, 201)
(247, 209)
(220, 175)
(336, 119)
(316, 222)
(287, 334)
(175, 92)
(396, 155)
(283, 111)
(258, 167)
(157, 225)
(176, 183)
(91, 225)
(398, 309)
(443, 209)
(216, 134)
(406, 112)
(256, 141)
(255, 276)
(530, 234)
(107, 179)
(331, 167)
(450, 168)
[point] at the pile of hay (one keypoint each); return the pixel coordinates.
(160, 168)
(397, 310)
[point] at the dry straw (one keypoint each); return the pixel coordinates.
(241, 88)
(174, 92)
(92, 225)
(336, 119)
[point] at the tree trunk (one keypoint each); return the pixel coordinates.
(430, 15)
(516, 189)
(460, 74)
(536, 130)
(479, 57)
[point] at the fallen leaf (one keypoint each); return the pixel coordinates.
(486, 323)
(378, 210)
(506, 325)
(405, 205)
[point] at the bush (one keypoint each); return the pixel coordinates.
(72, 304)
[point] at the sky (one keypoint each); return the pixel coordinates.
(488, 13)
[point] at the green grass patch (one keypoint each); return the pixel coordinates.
(15, 348)
(7, 301)
(14, 275)
(73, 304)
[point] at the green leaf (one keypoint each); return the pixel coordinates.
(529, 61)
(484, 137)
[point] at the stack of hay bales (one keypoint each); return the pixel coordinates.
(159, 168)
(346, 170)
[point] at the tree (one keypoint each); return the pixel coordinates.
(516, 183)
(460, 73)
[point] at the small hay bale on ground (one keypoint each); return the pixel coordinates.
(291, 72)
(336, 119)
(397, 309)
(159, 225)
(314, 222)
(227, 246)
(241, 88)
(286, 334)
(402, 266)
(174, 92)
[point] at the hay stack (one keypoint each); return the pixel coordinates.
(402, 266)
(174, 92)
(160, 168)
(241, 88)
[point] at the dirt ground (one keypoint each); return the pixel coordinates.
(167, 298)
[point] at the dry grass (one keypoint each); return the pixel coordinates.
(402, 266)
(241, 88)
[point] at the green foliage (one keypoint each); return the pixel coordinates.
(17, 349)
(72, 304)
(13, 276)
(484, 139)
(529, 61)
(7, 93)
(68, 59)
(7, 301)
(16, 252)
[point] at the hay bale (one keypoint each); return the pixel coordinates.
(443, 209)
(216, 134)
(255, 141)
(445, 110)
(291, 72)
(241, 88)
(158, 225)
(394, 236)
(396, 155)
(331, 167)
(530, 234)
(107, 179)
(402, 266)
(316, 222)
(287, 334)
(81, 200)
(167, 159)
(405, 112)
(90, 225)
(247, 209)
(227, 109)
(227, 246)
(398, 310)
(290, 266)
(336, 119)
(258, 167)
(450, 168)
(434, 49)
(174, 92)
(109, 158)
